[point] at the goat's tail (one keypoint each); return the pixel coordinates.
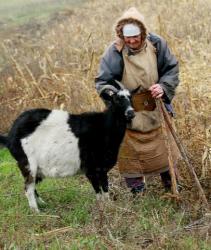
(3, 140)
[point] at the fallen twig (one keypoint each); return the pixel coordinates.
(43, 215)
(55, 231)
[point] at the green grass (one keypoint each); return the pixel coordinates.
(68, 204)
(21, 11)
(148, 222)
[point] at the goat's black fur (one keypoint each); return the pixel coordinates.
(99, 137)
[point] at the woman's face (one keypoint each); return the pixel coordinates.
(133, 42)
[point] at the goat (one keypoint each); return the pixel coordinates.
(55, 143)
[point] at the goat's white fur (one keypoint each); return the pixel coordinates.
(124, 92)
(30, 194)
(52, 149)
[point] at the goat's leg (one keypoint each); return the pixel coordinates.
(40, 201)
(30, 193)
(30, 181)
(94, 179)
(104, 185)
(38, 198)
(23, 165)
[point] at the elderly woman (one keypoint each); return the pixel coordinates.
(141, 61)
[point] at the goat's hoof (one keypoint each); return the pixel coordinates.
(35, 210)
(104, 197)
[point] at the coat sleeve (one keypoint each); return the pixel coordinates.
(168, 69)
(111, 68)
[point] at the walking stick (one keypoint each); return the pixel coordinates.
(170, 160)
(183, 152)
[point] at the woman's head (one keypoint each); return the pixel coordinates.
(131, 28)
(132, 36)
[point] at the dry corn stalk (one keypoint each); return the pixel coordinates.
(206, 157)
(184, 155)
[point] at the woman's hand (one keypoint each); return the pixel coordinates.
(156, 90)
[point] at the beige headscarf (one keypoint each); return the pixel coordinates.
(132, 15)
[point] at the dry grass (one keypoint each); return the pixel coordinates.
(56, 68)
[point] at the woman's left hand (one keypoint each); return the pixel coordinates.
(156, 90)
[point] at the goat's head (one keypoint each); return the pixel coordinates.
(119, 98)
(122, 100)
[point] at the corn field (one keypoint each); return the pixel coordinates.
(53, 65)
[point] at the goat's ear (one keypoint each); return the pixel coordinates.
(116, 84)
(106, 95)
(134, 91)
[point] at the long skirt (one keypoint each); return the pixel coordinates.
(143, 154)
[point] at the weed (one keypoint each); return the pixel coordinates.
(53, 64)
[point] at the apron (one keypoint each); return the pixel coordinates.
(143, 151)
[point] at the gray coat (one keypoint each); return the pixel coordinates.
(112, 65)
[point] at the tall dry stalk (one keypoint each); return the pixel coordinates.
(58, 68)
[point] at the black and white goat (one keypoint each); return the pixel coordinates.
(54, 143)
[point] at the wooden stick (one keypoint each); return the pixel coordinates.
(184, 155)
(55, 231)
(43, 215)
(170, 159)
